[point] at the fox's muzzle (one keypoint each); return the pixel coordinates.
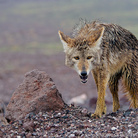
(83, 76)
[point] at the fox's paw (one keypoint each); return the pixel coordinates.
(99, 113)
(95, 116)
(116, 107)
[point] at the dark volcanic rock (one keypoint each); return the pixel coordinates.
(37, 93)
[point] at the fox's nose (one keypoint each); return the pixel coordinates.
(83, 73)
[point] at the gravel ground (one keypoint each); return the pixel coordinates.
(73, 121)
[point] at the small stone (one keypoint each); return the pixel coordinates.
(40, 113)
(28, 135)
(113, 128)
(64, 117)
(58, 115)
(108, 135)
(77, 133)
(89, 121)
(71, 135)
(127, 113)
(34, 134)
(136, 126)
(28, 126)
(84, 111)
(16, 127)
(129, 125)
(67, 111)
(72, 105)
(53, 130)
(113, 114)
(81, 99)
(20, 122)
(129, 131)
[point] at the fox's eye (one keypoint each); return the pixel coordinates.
(89, 57)
(77, 58)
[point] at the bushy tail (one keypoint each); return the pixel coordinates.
(130, 81)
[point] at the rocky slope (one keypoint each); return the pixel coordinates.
(37, 110)
(73, 122)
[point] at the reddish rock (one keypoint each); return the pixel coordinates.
(29, 126)
(37, 93)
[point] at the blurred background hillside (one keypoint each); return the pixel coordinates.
(29, 38)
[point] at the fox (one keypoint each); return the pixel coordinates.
(110, 53)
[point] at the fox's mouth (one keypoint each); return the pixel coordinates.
(83, 79)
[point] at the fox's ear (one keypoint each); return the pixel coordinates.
(95, 39)
(66, 40)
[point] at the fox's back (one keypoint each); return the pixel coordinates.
(116, 37)
(119, 38)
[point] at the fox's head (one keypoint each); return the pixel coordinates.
(83, 51)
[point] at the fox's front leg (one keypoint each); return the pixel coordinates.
(101, 78)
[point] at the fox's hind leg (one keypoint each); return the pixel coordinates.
(130, 80)
(113, 86)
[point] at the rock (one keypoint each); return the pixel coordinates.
(37, 93)
(71, 135)
(113, 128)
(81, 99)
(29, 126)
(85, 112)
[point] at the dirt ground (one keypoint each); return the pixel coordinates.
(14, 66)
